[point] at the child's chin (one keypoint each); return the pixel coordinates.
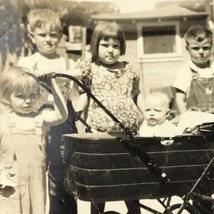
(26, 111)
(152, 123)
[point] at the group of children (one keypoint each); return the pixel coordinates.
(33, 121)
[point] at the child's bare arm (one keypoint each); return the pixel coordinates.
(60, 112)
(81, 103)
(80, 111)
(140, 102)
(180, 102)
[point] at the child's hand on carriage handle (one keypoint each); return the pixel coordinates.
(46, 77)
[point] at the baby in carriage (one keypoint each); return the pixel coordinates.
(156, 112)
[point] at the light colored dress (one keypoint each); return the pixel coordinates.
(23, 157)
(166, 129)
(116, 91)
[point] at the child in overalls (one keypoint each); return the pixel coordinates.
(45, 32)
(22, 147)
(194, 83)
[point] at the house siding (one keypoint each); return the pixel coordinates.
(156, 74)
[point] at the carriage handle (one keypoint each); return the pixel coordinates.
(142, 154)
(45, 78)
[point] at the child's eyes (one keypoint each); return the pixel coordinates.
(195, 48)
(54, 35)
(116, 46)
(104, 45)
(20, 96)
(157, 110)
(203, 48)
(33, 96)
(206, 48)
(42, 34)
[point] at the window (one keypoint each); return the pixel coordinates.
(159, 40)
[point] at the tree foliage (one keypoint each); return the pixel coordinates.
(72, 12)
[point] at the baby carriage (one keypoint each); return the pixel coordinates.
(119, 166)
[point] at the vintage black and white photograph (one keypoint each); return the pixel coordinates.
(106, 107)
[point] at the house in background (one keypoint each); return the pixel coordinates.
(155, 41)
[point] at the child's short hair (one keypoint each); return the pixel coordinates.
(106, 30)
(43, 17)
(157, 95)
(198, 33)
(16, 79)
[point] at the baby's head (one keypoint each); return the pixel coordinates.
(19, 89)
(45, 30)
(199, 44)
(156, 108)
(105, 31)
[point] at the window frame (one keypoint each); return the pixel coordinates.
(160, 56)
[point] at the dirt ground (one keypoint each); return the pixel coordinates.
(119, 206)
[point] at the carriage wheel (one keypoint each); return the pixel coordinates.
(175, 207)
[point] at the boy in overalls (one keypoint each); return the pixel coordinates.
(194, 82)
(45, 32)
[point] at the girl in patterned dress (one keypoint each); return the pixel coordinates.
(114, 83)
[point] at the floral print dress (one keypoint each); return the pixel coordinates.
(116, 91)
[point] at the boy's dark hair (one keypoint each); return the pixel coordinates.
(107, 30)
(198, 33)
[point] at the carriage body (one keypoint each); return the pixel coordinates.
(101, 168)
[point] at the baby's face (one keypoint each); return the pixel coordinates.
(200, 51)
(46, 39)
(155, 111)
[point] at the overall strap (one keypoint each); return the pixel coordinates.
(67, 63)
(38, 125)
(195, 74)
(38, 121)
(11, 126)
(74, 92)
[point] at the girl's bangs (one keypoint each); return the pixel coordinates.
(110, 35)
